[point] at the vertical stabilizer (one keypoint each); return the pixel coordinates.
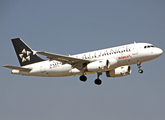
(24, 53)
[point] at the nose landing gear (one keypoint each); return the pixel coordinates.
(140, 71)
(139, 66)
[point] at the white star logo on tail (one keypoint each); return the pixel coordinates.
(25, 55)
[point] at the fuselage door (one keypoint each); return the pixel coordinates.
(134, 49)
(42, 68)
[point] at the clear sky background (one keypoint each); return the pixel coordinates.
(70, 27)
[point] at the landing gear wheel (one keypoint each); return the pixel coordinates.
(98, 82)
(139, 66)
(140, 71)
(83, 78)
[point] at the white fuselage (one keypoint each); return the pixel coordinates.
(122, 55)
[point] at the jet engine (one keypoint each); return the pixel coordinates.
(119, 72)
(97, 65)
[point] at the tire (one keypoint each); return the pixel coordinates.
(98, 82)
(83, 78)
(140, 71)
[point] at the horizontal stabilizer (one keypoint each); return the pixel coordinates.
(17, 68)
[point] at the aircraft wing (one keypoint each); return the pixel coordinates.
(76, 62)
(17, 68)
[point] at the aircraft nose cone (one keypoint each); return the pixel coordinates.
(159, 51)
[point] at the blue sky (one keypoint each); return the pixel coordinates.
(70, 27)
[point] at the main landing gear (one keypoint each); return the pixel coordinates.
(97, 81)
(83, 78)
(139, 66)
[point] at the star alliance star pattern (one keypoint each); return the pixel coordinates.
(25, 55)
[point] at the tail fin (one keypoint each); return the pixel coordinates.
(24, 53)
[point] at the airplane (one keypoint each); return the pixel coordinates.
(115, 61)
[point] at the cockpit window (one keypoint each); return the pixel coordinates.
(148, 46)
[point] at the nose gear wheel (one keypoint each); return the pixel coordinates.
(140, 71)
(139, 66)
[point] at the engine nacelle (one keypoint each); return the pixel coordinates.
(119, 72)
(112, 63)
(97, 65)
